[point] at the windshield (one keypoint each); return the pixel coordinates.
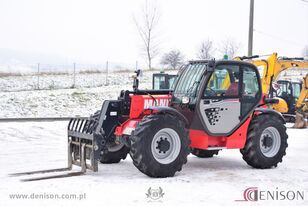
(296, 87)
(189, 80)
(284, 88)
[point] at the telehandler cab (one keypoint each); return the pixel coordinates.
(202, 115)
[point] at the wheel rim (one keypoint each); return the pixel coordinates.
(166, 145)
(270, 142)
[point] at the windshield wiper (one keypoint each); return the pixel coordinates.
(192, 87)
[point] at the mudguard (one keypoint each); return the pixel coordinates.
(270, 111)
(169, 110)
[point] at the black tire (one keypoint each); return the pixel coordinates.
(141, 145)
(204, 153)
(252, 152)
(112, 155)
(109, 157)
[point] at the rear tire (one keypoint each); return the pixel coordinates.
(266, 142)
(115, 152)
(160, 145)
(204, 153)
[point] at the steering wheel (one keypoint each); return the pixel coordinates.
(212, 92)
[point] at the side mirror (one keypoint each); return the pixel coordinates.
(138, 72)
(135, 76)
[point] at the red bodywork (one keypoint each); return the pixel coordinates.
(199, 138)
(202, 140)
(141, 102)
(138, 109)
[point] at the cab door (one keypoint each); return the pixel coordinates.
(226, 101)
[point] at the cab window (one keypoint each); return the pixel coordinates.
(159, 82)
(224, 82)
(189, 82)
(251, 91)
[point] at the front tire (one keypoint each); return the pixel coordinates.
(160, 145)
(266, 142)
(114, 152)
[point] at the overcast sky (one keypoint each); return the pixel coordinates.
(97, 30)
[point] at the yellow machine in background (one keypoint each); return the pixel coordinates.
(302, 106)
(270, 69)
(288, 86)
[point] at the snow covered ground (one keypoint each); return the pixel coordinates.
(220, 180)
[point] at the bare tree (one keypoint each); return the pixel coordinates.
(305, 51)
(173, 59)
(229, 47)
(147, 26)
(205, 50)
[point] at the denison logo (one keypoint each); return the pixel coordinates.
(250, 194)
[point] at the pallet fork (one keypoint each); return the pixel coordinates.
(86, 140)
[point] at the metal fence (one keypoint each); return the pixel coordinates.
(55, 76)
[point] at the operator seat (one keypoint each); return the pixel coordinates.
(232, 90)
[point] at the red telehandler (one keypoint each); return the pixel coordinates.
(202, 115)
